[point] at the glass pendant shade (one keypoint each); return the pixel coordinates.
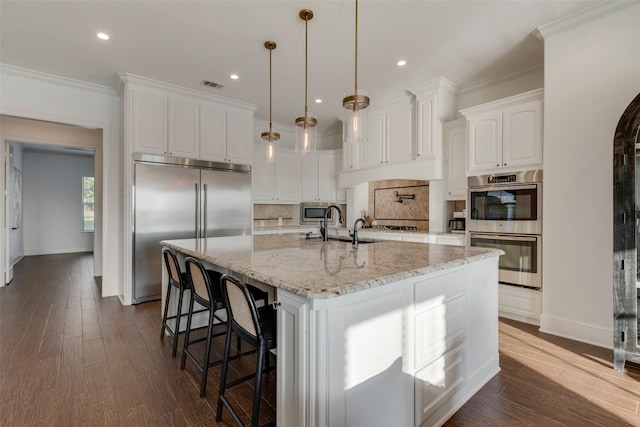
(306, 125)
(306, 134)
(270, 137)
(355, 125)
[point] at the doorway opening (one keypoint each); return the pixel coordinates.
(56, 154)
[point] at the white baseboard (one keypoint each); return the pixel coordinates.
(577, 331)
(32, 252)
(521, 304)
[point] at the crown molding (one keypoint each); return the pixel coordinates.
(6, 69)
(134, 81)
(497, 79)
(579, 19)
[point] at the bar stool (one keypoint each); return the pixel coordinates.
(256, 326)
(180, 281)
(205, 290)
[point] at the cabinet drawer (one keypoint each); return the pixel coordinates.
(439, 329)
(435, 383)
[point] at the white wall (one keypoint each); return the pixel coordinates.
(592, 72)
(52, 195)
(40, 96)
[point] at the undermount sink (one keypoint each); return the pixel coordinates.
(349, 239)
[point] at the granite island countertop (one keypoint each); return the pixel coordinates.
(315, 269)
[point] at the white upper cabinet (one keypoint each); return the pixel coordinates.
(455, 139)
(435, 104)
(171, 121)
(165, 126)
(150, 123)
(505, 135)
(278, 181)
(225, 135)
(319, 177)
(390, 134)
(184, 130)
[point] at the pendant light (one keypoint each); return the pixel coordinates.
(270, 137)
(356, 114)
(306, 125)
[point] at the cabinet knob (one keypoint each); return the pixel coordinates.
(505, 164)
(498, 164)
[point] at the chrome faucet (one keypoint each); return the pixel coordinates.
(323, 228)
(354, 241)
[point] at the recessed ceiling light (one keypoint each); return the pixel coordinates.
(401, 63)
(103, 36)
(318, 101)
(234, 77)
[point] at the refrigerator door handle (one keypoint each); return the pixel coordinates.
(197, 221)
(204, 210)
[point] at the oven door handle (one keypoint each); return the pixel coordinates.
(514, 237)
(486, 188)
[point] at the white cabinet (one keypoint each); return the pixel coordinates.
(341, 192)
(455, 139)
(505, 135)
(319, 177)
(164, 126)
(150, 123)
(171, 121)
(225, 135)
(277, 181)
(390, 134)
(435, 104)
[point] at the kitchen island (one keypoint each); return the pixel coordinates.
(388, 333)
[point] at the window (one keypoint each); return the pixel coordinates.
(87, 203)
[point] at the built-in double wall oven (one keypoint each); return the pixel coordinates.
(505, 212)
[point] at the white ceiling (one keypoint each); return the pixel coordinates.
(184, 42)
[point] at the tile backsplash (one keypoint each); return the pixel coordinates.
(274, 215)
(386, 209)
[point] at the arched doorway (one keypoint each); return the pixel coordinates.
(626, 228)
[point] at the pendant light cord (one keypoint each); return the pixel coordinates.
(356, 67)
(306, 53)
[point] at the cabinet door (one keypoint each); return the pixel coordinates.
(149, 123)
(398, 122)
(455, 136)
(425, 138)
(373, 149)
(522, 135)
(184, 129)
(485, 142)
(309, 177)
(341, 193)
(327, 179)
(239, 129)
(288, 177)
(213, 134)
(263, 176)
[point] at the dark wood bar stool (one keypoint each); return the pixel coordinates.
(257, 327)
(205, 289)
(179, 281)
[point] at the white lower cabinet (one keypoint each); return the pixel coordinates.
(408, 353)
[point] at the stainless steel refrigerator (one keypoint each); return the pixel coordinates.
(181, 199)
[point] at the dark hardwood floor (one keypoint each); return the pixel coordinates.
(71, 358)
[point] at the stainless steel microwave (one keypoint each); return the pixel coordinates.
(313, 212)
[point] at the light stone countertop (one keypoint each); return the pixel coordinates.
(315, 269)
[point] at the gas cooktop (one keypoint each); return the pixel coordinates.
(395, 227)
